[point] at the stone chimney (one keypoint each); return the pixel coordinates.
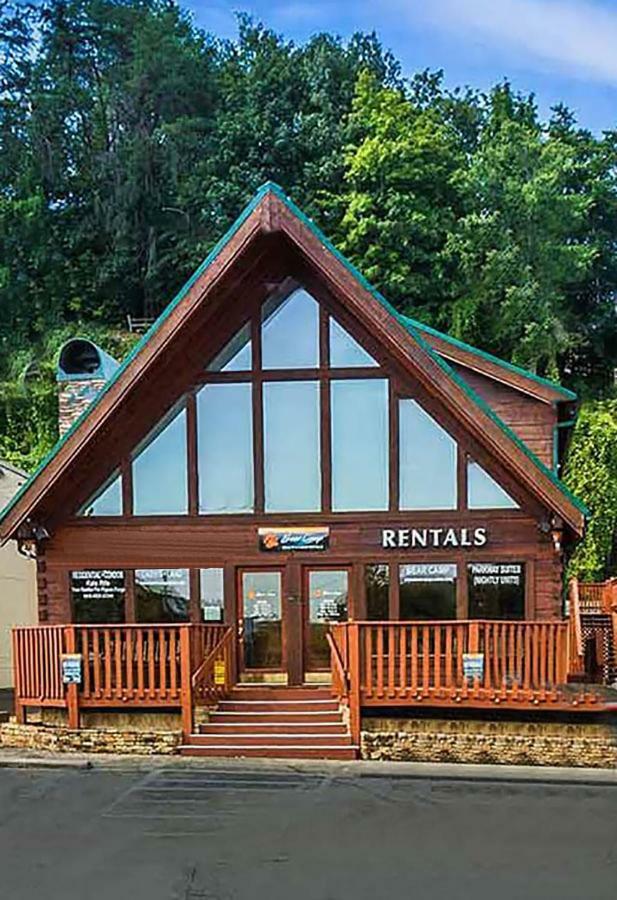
(83, 369)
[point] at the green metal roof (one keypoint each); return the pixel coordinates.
(483, 354)
(412, 327)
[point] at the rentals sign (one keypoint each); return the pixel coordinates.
(413, 538)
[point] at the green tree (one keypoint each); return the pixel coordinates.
(399, 200)
(591, 473)
(523, 244)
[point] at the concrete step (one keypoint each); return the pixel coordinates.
(274, 740)
(242, 717)
(296, 706)
(270, 751)
(261, 692)
(281, 727)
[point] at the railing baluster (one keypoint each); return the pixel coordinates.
(402, 661)
(414, 656)
(380, 665)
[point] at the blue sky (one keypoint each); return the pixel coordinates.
(559, 49)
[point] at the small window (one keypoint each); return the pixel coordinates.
(377, 587)
(236, 355)
(290, 332)
(162, 595)
(496, 590)
(160, 470)
(483, 492)
(291, 446)
(212, 597)
(427, 456)
(345, 351)
(427, 591)
(360, 444)
(98, 596)
(225, 448)
(107, 501)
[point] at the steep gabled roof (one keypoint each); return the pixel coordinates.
(480, 360)
(269, 212)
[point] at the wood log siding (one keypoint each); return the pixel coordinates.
(531, 419)
(354, 538)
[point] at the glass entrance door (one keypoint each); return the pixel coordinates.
(328, 601)
(260, 619)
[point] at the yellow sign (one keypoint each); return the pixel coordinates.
(219, 671)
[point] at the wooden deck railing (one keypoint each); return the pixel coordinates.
(122, 666)
(518, 664)
(213, 678)
(576, 646)
(36, 664)
(407, 660)
(597, 597)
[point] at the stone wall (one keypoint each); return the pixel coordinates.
(60, 739)
(588, 744)
(74, 397)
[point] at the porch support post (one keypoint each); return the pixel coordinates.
(72, 690)
(354, 677)
(186, 693)
(20, 710)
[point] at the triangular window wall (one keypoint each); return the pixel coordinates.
(236, 355)
(160, 482)
(345, 351)
(107, 501)
(290, 332)
(317, 427)
(427, 461)
(483, 492)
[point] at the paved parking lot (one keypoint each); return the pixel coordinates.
(230, 833)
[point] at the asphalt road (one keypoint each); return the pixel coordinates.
(191, 833)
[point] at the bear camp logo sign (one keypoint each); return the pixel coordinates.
(280, 540)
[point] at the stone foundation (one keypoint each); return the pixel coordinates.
(60, 739)
(588, 744)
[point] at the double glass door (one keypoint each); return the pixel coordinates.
(282, 630)
(327, 602)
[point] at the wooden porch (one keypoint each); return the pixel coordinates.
(522, 666)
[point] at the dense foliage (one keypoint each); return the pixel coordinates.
(591, 473)
(130, 139)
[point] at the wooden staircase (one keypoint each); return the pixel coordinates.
(274, 722)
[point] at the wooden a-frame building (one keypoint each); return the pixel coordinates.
(289, 483)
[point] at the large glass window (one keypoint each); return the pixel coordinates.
(427, 591)
(107, 501)
(483, 492)
(360, 444)
(211, 589)
(377, 587)
(427, 457)
(225, 448)
(236, 355)
(290, 332)
(291, 446)
(496, 590)
(345, 351)
(162, 595)
(160, 471)
(98, 596)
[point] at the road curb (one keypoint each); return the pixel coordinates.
(522, 775)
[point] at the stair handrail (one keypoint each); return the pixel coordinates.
(577, 649)
(340, 677)
(207, 685)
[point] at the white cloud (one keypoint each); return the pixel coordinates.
(575, 36)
